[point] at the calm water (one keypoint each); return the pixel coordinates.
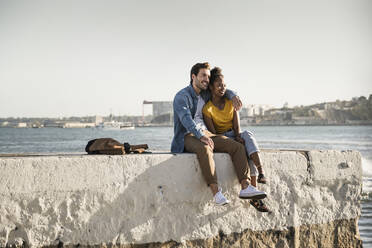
(57, 140)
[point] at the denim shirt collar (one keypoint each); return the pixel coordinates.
(192, 91)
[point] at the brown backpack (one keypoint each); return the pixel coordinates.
(112, 147)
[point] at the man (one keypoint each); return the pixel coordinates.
(189, 137)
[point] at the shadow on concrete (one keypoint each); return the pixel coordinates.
(156, 207)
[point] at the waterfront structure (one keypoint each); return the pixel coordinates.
(14, 124)
(162, 111)
(109, 125)
(21, 124)
(98, 120)
(78, 125)
(95, 201)
(256, 109)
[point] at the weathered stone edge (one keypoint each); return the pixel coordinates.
(338, 233)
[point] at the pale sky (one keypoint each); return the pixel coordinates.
(77, 58)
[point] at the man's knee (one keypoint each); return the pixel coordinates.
(198, 147)
(192, 144)
(204, 149)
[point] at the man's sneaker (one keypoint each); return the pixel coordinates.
(251, 193)
(220, 199)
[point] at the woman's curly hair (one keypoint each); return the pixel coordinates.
(216, 74)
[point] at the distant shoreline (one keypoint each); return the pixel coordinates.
(243, 125)
(320, 125)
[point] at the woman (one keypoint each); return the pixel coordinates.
(220, 117)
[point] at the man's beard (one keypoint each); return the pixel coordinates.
(200, 85)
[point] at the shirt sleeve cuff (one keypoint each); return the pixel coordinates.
(230, 94)
(199, 133)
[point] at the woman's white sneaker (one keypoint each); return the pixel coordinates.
(251, 193)
(220, 199)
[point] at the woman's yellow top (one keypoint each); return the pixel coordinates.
(222, 119)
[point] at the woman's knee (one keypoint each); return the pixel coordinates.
(248, 137)
(250, 142)
(247, 134)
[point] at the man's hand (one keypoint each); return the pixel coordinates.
(207, 141)
(236, 103)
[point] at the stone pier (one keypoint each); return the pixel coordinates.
(161, 200)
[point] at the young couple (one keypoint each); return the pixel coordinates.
(220, 134)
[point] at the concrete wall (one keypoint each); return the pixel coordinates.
(162, 200)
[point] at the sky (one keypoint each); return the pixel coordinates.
(78, 58)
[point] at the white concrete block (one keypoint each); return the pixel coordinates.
(161, 197)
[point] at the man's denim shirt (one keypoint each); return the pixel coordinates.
(184, 108)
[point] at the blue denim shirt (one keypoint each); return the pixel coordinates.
(184, 108)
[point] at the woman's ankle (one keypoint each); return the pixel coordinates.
(254, 181)
(260, 169)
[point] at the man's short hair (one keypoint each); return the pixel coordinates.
(196, 68)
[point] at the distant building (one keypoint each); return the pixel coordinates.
(307, 120)
(331, 105)
(36, 124)
(256, 109)
(4, 124)
(13, 124)
(162, 108)
(320, 112)
(49, 123)
(99, 120)
(22, 124)
(162, 112)
(78, 125)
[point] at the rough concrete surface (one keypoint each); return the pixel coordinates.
(161, 200)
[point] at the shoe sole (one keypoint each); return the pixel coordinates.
(222, 204)
(254, 197)
(259, 209)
